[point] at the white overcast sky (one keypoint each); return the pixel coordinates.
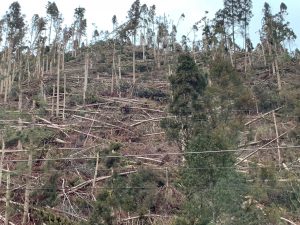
(100, 12)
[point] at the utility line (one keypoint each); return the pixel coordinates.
(224, 187)
(147, 154)
(163, 168)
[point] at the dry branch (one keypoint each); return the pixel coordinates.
(94, 120)
(261, 116)
(147, 215)
(67, 213)
(3, 219)
(85, 183)
(152, 134)
(286, 220)
(150, 159)
(52, 125)
(90, 135)
(152, 119)
(252, 153)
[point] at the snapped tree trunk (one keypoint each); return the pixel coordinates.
(277, 74)
(65, 82)
(133, 58)
(96, 173)
(7, 198)
(120, 75)
(58, 82)
(52, 100)
(27, 189)
(277, 139)
(86, 73)
(2, 158)
(113, 72)
(20, 123)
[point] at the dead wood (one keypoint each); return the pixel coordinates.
(260, 148)
(263, 115)
(88, 182)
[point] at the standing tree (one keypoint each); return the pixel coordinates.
(79, 27)
(53, 15)
(134, 19)
(144, 22)
(244, 20)
(233, 12)
(187, 86)
(162, 38)
(15, 33)
(113, 72)
(151, 30)
(275, 32)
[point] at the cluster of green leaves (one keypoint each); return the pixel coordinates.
(152, 93)
(49, 218)
(135, 193)
(48, 193)
(36, 135)
(208, 178)
(274, 196)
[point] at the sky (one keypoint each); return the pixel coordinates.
(100, 13)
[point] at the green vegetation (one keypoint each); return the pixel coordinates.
(141, 126)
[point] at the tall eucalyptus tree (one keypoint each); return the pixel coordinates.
(80, 25)
(134, 19)
(53, 15)
(15, 33)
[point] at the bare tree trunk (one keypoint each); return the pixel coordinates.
(20, 103)
(113, 71)
(7, 198)
(96, 173)
(277, 139)
(12, 77)
(52, 100)
(1, 84)
(5, 87)
(65, 82)
(27, 189)
(143, 42)
(158, 57)
(120, 75)
(47, 63)
(9, 84)
(51, 67)
(273, 68)
(2, 158)
(278, 74)
(43, 95)
(154, 50)
(28, 70)
(58, 81)
(133, 58)
(230, 52)
(245, 61)
(7, 74)
(86, 73)
(250, 59)
(264, 54)
(112, 81)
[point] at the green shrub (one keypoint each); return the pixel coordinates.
(152, 93)
(48, 194)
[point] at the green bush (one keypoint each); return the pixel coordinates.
(152, 93)
(267, 96)
(48, 194)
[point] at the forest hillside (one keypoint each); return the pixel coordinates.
(141, 126)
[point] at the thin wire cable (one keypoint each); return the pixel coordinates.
(170, 168)
(155, 187)
(151, 154)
